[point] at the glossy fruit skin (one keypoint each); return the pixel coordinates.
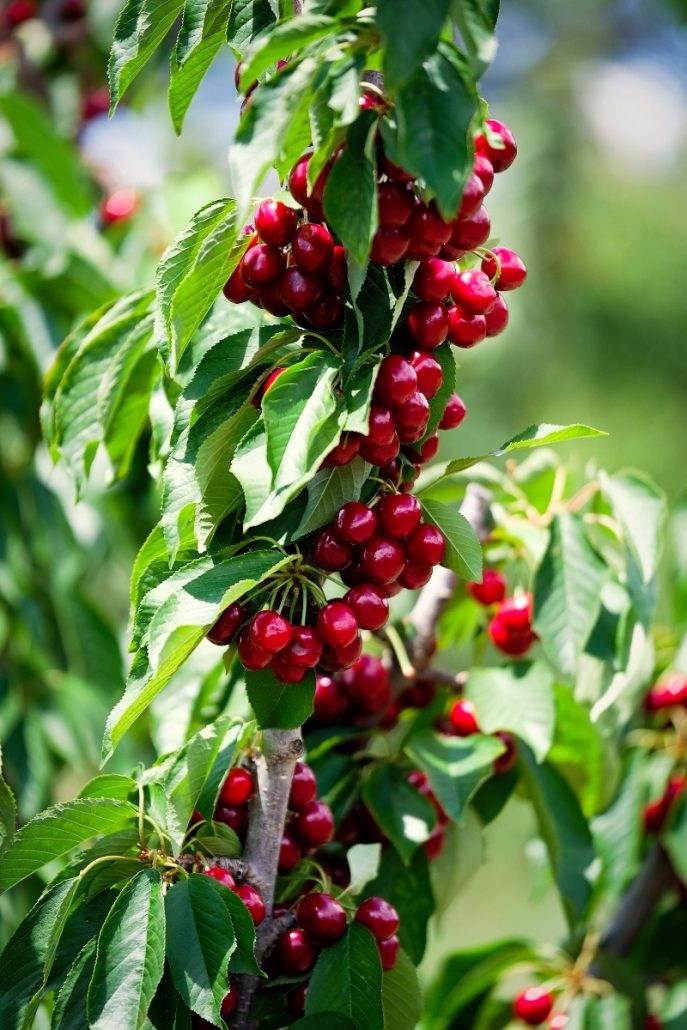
(473, 195)
(229, 1002)
(311, 200)
(295, 953)
(330, 553)
(312, 247)
(463, 718)
(667, 693)
(454, 413)
(337, 658)
(336, 273)
(396, 381)
(428, 323)
(411, 419)
(289, 852)
(235, 290)
(471, 233)
(228, 624)
(355, 523)
(327, 313)
(251, 658)
(237, 788)
(501, 157)
(330, 700)
(222, 876)
(337, 624)
(428, 228)
(466, 329)
(345, 451)
(379, 917)
(426, 545)
(512, 271)
(269, 298)
(508, 759)
(491, 590)
(533, 1005)
(399, 514)
(395, 204)
(275, 223)
(285, 671)
(262, 265)
(381, 430)
(298, 290)
(429, 372)
(497, 318)
(305, 649)
(429, 448)
(433, 279)
(269, 631)
(472, 290)
(377, 454)
(382, 559)
(516, 613)
(233, 816)
(415, 576)
(253, 902)
(388, 951)
(389, 246)
(513, 644)
(314, 824)
(303, 787)
(484, 169)
(370, 606)
(296, 1000)
(322, 918)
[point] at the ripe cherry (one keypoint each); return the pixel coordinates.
(303, 787)
(299, 290)
(656, 812)
(336, 273)
(497, 318)
(472, 290)
(222, 876)
(322, 918)
(428, 371)
(471, 233)
(311, 200)
(502, 152)
(380, 454)
(428, 323)
(454, 413)
(305, 649)
(513, 644)
(253, 902)
(367, 681)
(295, 953)
(233, 816)
(516, 613)
(380, 918)
(389, 246)
(276, 223)
(396, 381)
(667, 693)
(510, 270)
(250, 657)
(426, 545)
(267, 385)
(463, 718)
(473, 195)
(237, 788)
(434, 844)
(269, 298)
(18, 11)
(337, 624)
(433, 279)
(235, 290)
(381, 430)
(312, 247)
(289, 852)
(388, 951)
(394, 171)
(314, 824)
(507, 760)
(229, 1002)
(370, 606)
(491, 590)
(411, 418)
(270, 631)
(327, 313)
(429, 448)
(337, 658)
(533, 1005)
(330, 700)
(485, 170)
(119, 206)
(395, 204)
(399, 514)
(415, 576)
(296, 1000)
(428, 228)
(465, 327)
(382, 559)
(345, 451)
(355, 523)
(286, 671)
(262, 265)
(229, 622)
(330, 553)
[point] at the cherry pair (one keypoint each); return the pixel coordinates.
(511, 627)
(251, 898)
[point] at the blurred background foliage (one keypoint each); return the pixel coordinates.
(596, 93)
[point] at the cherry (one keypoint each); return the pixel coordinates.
(516, 613)
(429, 448)
(472, 290)
(395, 204)
(381, 430)
(513, 644)
(502, 153)
(388, 952)
(327, 313)
(434, 844)
(330, 553)
(298, 290)
(95, 104)
(497, 318)
(345, 451)
(485, 170)
(322, 918)
(429, 373)
(253, 902)
(396, 381)
(533, 1005)
(507, 760)
(303, 787)
(466, 328)
(314, 824)
(289, 852)
(391, 471)
(428, 323)
(119, 206)
(415, 576)
(380, 918)
(473, 195)
(262, 265)
(330, 700)
(411, 418)
(428, 228)
(235, 290)
(337, 271)
(267, 385)
(296, 1000)
(18, 11)
(394, 171)
(667, 693)
(335, 658)
(233, 816)
(286, 671)
(231, 620)
(399, 514)
(305, 649)
(355, 523)
(656, 812)
(370, 606)
(491, 590)
(222, 876)
(426, 545)
(382, 559)
(237, 788)
(509, 271)
(471, 233)
(433, 279)
(463, 718)
(276, 223)
(311, 200)
(295, 953)
(312, 247)
(389, 246)
(270, 631)
(337, 624)
(229, 1002)
(367, 681)
(378, 454)
(454, 413)
(250, 657)
(269, 298)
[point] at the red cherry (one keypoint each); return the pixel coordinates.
(381, 430)
(370, 606)
(426, 545)
(303, 787)
(237, 788)
(411, 418)
(327, 313)
(269, 382)
(396, 381)
(330, 553)
(388, 952)
(337, 624)
(295, 953)
(382, 559)
(355, 523)
(314, 824)
(484, 169)
(513, 644)
(345, 451)
(433, 279)
(509, 757)
(497, 318)
(269, 298)
(454, 413)
(509, 273)
(667, 693)
(270, 631)
(276, 223)
(249, 656)
(337, 658)
(389, 246)
(533, 1005)
(285, 671)
(305, 649)
(399, 514)
(434, 844)
(391, 471)
(229, 622)
(428, 371)
(466, 328)
(311, 200)
(253, 902)
(322, 918)
(18, 11)
(428, 323)
(471, 233)
(428, 228)
(473, 195)
(222, 876)
(656, 812)
(395, 202)
(472, 290)
(312, 247)
(516, 613)
(262, 265)
(429, 448)
(491, 590)
(502, 153)
(229, 1002)
(415, 576)
(337, 271)
(296, 1000)
(298, 290)
(394, 171)
(380, 918)
(463, 718)
(377, 454)
(367, 682)
(289, 852)
(119, 206)
(235, 290)
(330, 700)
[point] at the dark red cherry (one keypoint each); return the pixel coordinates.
(509, 272)
(295, 953)
(380, 454)
(463, 718)
(382, 559)
(503, 150)
(305, 649)
(485, 170)
(428, 228)
(497, 318)
(269, 298)
(330, 553)
(415, 576)
(233, 816)
(355, 523)
(472, 290)
(289, 852)
(314, 824)
(454, 413)
(312, 247)
(471, 233)
(533, 1005)
(395, 203)
(229, 622)
(399, 514)
(270, 631)
(222, 876)
(370, 606)
(389, 246)
(428, 371)
(250, 657)
(235, 290)
(491, 590)
(237, 788)
(262, 265)
(252, 899)
(330, 700)
(473, 195)
(367, 683)
(336, 274)
(465, 327)
(381, 430)
(298, 290)
(337, 658)
(396, 381)
(322, 918)
(286, 671)
(380, 918)
(389, 948)
(426, 545)
(337, 624)
(428, 323)
(429, 448)
(276, 223)
(303, 787)
(411, 418)
(345, 451)
(433, 279)
(327, 313)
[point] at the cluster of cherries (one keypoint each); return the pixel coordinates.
(310, 822)
(16, 12)
(510, 628)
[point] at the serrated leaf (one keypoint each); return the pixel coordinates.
(406, 817)
(200, 943)
(354, 173)
(167, 1011)
(358, 395)
(130, 957)
(8, 814)
(70, 1004)
(348, 979)
(516, 698)
(463, 549)
(412, 31)
(109, 785)
(455, 766)
(640, 508)
(578, 742)
(280, 42)
(243, 959)
(277, 705)
(363, 863)
(141, 27)
(56, 831)
(248, 18)
(445, 355)
(618, 831)
(401, 995)
(476, 20)
(567, 593)
(202, 35)
(408, 888)
(328, 491)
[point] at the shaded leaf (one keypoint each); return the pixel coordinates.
(141, 27)
(518, 698)
(348, 979)
(454, 765)
(463, 549)
(279, 705)
(412, 31)
(202, 34)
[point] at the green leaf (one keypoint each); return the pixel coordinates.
(243, 960)
(131, 955)
(56, 831)
(8, 814)
(277, 705)
(348, 979)
(516, 698)
(675, 841)
(412, 31)
(247, 19)
(564, 831)
(409, 890)
(200, 942)
(140, 29)
(70, 1004)
(328, 491)
(202, 35)
(463, 549)
(445, 355)
(640, 508)
(167, 1011)
(401, 995)
(363, 863)
(109, 785)
(220, 841)
(280, 42)
(354, 173)
(567, 593)
(476, 20)
(455, 766)
(405, 816)
(358, 395)
(618, 831)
